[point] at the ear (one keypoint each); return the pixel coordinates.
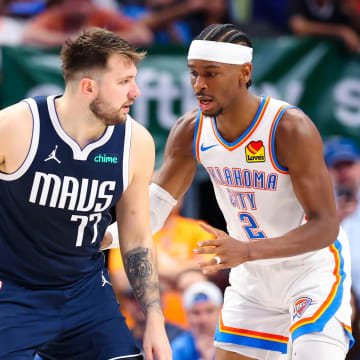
(88, 87)
(245, 72)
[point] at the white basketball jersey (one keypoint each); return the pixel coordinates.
(253, 190)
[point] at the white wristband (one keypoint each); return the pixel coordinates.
(113, 230)
(161, 204)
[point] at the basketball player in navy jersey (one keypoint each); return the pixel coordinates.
(290, 274)
(64, 162)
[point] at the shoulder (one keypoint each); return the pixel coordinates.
(297, 140)
(181, 135)
(142, 149)
(295, 125)
(15, 116)
(185, 125)
(140, 134)
(16, 127)
(21, 108)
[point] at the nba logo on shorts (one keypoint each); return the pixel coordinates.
(301, 305)
(1, 284)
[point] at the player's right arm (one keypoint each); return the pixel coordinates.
(15, 136)
(177, 172)
(179, 165)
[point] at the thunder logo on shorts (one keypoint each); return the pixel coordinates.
(300, 306)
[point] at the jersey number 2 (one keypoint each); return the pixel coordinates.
(251, 227)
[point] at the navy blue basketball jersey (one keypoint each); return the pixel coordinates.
(54, 209)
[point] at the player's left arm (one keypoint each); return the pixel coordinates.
(299, 148)
(136, 243)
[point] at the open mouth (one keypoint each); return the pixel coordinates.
(205, 104)
(126, 107)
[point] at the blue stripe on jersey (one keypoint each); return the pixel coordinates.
(273, 138)
(263, 101)
(196, 134)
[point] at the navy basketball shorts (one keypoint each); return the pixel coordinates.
(82, 322)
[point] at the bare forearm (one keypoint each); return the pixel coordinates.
(141, 270)
(309, 237)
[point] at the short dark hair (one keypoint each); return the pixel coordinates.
(91, 50)
(226, 33)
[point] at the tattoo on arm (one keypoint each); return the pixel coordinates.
(142, 275)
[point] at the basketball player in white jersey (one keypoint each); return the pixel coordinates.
(290, 278)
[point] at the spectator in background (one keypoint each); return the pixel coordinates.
(202, 302)
(352, 9)
(214, 12)
(323, 18)
(14, 15)
(189, 277)
(57, 23)
(342, 156)
(261, 17)
(168, 19)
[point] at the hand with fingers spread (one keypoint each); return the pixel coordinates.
(229, 252)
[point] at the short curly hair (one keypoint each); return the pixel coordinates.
(91, 50)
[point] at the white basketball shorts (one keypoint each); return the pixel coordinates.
(268, 306)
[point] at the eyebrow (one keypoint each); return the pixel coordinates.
(126, 77)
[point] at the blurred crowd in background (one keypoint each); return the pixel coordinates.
(147, 22)
(191, 300)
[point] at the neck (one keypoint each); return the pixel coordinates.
(77, 120)
(234, 121)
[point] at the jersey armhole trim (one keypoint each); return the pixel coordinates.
(126, 155)
(33, 144)
(274, 161)
(197, 134)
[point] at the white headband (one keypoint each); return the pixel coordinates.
(222, 52)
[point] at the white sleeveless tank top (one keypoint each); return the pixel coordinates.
(253, 191)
